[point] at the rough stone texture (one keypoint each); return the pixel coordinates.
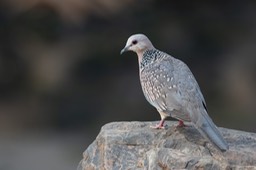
(133, 145)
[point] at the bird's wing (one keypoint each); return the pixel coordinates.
(178, 93)
(181, 88)
(186, 82)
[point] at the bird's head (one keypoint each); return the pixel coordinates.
(137, 43)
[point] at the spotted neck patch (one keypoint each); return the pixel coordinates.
(149, 57)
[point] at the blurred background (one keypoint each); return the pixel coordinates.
(62, 76)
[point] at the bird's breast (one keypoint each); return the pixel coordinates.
(152, 86)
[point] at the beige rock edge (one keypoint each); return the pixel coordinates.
(133, 145)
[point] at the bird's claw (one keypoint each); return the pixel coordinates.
(157, 127)
(181, 124)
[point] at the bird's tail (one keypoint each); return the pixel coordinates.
(209, 130)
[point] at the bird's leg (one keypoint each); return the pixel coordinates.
(160, 125)
(181, 124)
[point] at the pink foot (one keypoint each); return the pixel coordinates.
(181, 124)
(159, 126)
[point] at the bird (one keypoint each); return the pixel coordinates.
(169, 85)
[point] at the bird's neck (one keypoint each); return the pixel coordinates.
(140, 55)
(146, 57)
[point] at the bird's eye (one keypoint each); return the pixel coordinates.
(134, 42)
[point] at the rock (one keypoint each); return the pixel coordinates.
(133, 145)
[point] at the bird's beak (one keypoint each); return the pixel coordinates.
(124, 50)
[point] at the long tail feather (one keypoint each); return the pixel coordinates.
(208, 129)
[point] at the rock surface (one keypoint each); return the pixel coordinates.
(134, 145)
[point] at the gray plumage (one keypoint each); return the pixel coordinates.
(169, 85)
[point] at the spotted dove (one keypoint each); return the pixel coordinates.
(169, 85)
